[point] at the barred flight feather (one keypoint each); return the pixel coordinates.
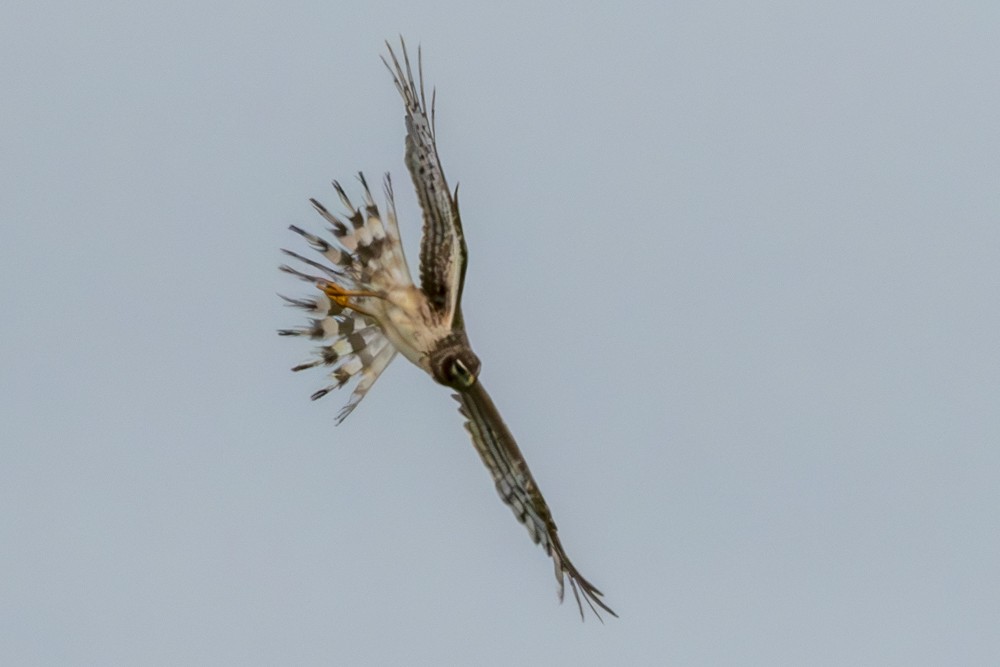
(442, 248)
(518, 489)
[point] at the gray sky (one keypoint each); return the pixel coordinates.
(733, 277)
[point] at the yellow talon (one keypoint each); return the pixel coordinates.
(341, 297)
(336, 293)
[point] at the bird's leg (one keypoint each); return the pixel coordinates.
(341, 297)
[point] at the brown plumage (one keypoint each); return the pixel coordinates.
(367, 309)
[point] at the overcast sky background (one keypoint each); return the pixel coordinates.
(733, 277)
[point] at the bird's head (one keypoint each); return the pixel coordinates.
(455, 366)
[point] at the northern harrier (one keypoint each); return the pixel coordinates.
(366, 309)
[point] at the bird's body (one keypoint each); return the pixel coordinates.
(410, 326)
(369, 307)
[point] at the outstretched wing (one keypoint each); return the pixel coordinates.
(517, 488)
(443, 253)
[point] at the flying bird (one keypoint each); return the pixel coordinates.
(366, 309)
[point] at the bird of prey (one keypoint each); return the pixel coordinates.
(366, 308)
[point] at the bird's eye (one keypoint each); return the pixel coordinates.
(460, 374)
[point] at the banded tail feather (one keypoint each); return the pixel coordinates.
(364, 255)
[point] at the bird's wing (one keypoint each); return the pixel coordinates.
(518, 489)
(443, 252)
